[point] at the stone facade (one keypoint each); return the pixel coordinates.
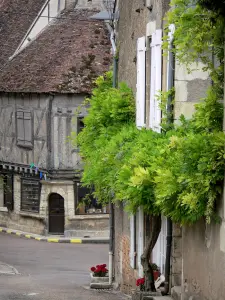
(136, 20)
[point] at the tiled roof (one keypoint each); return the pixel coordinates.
(16, 16)
(65, 58)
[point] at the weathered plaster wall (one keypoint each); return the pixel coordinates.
(9, 151)
(203, 262)
(53, 120)
(124, 274)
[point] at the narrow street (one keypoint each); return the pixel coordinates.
(50, 271)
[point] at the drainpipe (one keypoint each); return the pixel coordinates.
(170, 85)
(135, 238)
(111, 220)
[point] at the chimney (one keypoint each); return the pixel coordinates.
(89, 4)
(70, 3)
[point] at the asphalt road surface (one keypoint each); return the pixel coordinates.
(50, 271)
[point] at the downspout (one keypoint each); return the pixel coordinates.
(111, 220)
(135, 238)
(170, 85)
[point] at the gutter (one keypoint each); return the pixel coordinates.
(111, 216)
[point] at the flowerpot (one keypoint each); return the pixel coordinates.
(156, 275)
(99, 279)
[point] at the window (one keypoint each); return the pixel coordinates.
(6, 191)
(86, 203)
(24, 128)
(30, 195)
(80, 124)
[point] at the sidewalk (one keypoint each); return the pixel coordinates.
(55, 239)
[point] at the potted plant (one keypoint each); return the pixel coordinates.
(99, 274)
(156, 272)
(141, 283)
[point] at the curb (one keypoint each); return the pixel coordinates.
(54, 240)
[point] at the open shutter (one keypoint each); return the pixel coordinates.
(20, 127)
(156, 80)
(140, 93)
(8, 191)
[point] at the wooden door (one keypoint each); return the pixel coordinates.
(56, 214)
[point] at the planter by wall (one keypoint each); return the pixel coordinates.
(139, 295)
(99, 279)
(156, 275)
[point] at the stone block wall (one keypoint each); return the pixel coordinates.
(176, 256)
(190, 88)
(75, 225)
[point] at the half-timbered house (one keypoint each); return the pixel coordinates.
(50, 53)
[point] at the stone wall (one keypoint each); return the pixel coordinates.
(75, 225)
(176, 256)
(190, 88)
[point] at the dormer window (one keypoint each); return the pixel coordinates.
(49, 12)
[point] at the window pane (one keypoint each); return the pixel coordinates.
(80, 124)
(86, 203)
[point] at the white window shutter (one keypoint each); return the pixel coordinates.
(140, 93)
(156, 80)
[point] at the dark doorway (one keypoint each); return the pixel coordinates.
(56, 214)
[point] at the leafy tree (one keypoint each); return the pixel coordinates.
(177, 173)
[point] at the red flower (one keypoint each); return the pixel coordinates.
(140, 281)
(104, 270)
(93, 269)
(104, 266)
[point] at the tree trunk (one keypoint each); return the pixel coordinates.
(155, 228)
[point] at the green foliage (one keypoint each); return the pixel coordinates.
(179, 172)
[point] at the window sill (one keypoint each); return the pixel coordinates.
(3, 209)
(31, 215)
(90, 217)
(25, 147)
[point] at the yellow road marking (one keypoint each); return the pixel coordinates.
(38, 239)
(9, 231)
(17, 233)
(27, 236)
(78, 241)
(53, 240)
(1, 229)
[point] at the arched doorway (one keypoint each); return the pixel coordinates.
(56, 214)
